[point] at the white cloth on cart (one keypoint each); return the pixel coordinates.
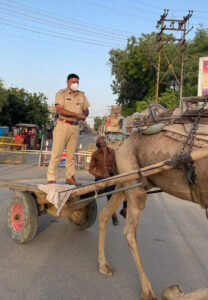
(57, 194)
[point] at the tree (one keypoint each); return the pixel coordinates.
(37, 109)
(23, 107)
(134, 70)
(3, 95)
(14, 110)
(97, 123)
(198, 47)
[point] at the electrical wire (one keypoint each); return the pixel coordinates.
(134, 7)
(85, 30)
(52, 33)
(52, 43)
(119, 10)
(68, 19)
(58, 25)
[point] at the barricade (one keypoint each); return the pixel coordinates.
(45, 161)
(62, 161)
(82, 157)
(78, 158)
(9, 145)
(91, 149)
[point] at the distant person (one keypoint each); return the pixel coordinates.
(26, 138)
(101, 166)
(40, 133)
(72, 107)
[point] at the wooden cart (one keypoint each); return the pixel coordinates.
(29, 202)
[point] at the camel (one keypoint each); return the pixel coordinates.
(174, 292)
(137, 152)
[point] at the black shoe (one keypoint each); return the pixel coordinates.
(115, 221)
(123, 213)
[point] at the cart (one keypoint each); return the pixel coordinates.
(29, 202)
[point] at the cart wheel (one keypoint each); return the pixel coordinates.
(22, 217)
(85, 217)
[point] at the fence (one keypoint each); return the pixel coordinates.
(80, 155)
(14, 152)
(11, 151)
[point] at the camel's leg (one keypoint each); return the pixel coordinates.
(104, 215)
(135, 201)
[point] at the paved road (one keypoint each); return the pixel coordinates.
(61, 262)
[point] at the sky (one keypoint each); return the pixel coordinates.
(42, 41)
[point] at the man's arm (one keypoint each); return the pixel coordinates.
(92, 167)
(86, 112)
(85, 105)
(61, 111)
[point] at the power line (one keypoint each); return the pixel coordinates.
(107, 34)
(118, 10)
(68, 19)
(157, 7)
(133, 7)
(51, 44)
(65, 27)
(148, 4)
(53, 33)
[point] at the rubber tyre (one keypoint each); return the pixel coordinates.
(89, 217)
(22, 217)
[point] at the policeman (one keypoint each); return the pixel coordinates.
(72, 107)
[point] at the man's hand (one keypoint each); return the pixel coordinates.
(61, 111)
(80, 117)
(86, 112)
(106, 175)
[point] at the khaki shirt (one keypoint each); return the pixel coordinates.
(102, 163)
(75, 102)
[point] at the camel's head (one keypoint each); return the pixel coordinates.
(174, 292)
(171, 293)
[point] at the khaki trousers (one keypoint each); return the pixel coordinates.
(64, 134)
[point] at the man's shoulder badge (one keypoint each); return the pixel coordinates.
(62, 91)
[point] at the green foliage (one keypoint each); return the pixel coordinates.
(37, 109)
(169, 99)
(134, 71)
(142, 105)
(126, 111)
(3, 95)
(97, 123)
(19, 106)
(198, 47)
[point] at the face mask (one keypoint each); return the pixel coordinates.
(74, 87)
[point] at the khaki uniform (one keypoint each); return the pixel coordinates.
(65, 134)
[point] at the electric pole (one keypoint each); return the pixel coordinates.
(176, 26)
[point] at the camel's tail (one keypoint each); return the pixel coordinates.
(174, 292)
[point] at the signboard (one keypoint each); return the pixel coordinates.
(88, 159)
(203, 77)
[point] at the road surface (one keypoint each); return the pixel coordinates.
(61, 262)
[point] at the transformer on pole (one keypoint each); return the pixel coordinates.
(174, 25)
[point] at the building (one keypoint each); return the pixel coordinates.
(113, 124)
